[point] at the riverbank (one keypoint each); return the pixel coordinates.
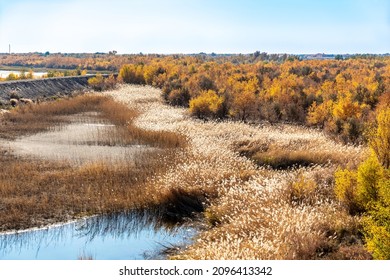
(41, 89)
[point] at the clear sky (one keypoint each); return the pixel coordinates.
(193, 26)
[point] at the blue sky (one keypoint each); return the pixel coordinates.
(193, 26)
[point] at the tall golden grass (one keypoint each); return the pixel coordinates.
(250, 211)
(293, 154)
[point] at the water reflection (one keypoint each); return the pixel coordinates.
(115, 236)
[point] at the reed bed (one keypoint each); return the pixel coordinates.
(254, 211)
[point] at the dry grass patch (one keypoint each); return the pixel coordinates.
(296, 153)
(251, 212)
(40, 117)
(36, 192)
(253, 220)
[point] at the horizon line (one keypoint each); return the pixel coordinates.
(198, 53)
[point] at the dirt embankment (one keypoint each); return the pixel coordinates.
(42, 88)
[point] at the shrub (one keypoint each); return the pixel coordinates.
(346, 189)
(12, 77)
(377, 224)
(367, 191)
(110, 82)
(207, 104)
(100, 83)
(369, 175)
(378, 239)
(380, 139)
(178, 97)
(96, 82)
(132, 74)
(374, 189)
(302, 190)
(319, 114)
(149, 73)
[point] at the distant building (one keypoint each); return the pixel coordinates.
(318, 56)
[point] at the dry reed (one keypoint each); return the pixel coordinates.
(251, 212)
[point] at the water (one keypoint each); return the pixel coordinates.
(5, 73)
(110, 237)
(86, 139)
(116, 236)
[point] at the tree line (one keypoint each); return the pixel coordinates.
(340, 96)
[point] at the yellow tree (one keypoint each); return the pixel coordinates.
(149, 73)
(131, 73)
(207, 104)
(320, 114)
(244, 98)
(380, 140)
(346, 108)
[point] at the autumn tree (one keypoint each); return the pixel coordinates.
(131, 73)
(320, 114)
(244, 99)
(100, 83)
(11, 77)
(380, 138)
(207, 104)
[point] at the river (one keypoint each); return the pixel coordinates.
(124, 236)
(115, 236)
(5, 73)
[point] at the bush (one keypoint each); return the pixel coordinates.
(369, 175)
(99, 83)
(12, 77)
(346, 190)
(178, 97)
(374, 189)
(367, 191)
(380, 139)
(302, 190)
(96, 82)
(110, 82)
(132, 74)
(207, 104)
(377, 224)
